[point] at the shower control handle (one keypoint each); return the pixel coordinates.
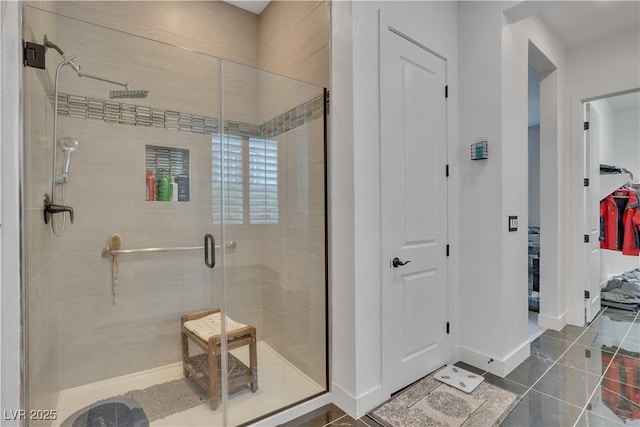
(51, 208)
(209, 250)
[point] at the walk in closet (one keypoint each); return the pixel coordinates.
(615, 121)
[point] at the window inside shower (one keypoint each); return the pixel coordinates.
(251, 179)
(104, 299)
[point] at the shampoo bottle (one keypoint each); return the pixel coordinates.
(174, 190)
(151, 186)
(163, 189)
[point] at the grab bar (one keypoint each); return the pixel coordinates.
(106, 251)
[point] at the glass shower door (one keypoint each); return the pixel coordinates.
(214, 181)
(273, 192)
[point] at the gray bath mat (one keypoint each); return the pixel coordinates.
(113, 412)
(432, 403)
(161, 400)
(137, 407)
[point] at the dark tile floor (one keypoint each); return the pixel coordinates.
(575, 377)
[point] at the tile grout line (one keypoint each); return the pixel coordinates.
(337, 419)
(605, 370)
(563, 353)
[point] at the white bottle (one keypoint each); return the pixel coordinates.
(174, 190)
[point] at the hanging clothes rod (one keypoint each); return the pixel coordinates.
(106, 251)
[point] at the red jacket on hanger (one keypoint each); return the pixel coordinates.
(620, 219)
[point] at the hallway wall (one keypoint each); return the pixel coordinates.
(355, 192)
(494, 76)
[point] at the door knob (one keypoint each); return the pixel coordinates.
(397, 263)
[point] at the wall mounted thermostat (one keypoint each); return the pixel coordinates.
(513, 223)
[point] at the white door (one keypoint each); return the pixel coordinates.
(413, 210)
(592, 212)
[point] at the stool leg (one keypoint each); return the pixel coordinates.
(185, 353)
(213, 376)
(253, 362)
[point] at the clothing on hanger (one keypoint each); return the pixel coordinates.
(620, 222)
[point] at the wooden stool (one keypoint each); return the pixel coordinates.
(203, 328)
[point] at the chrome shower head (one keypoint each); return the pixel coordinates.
(68, 145)
(128, 94)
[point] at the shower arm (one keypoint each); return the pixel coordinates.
(49, 44)
(67, 60)
(89, 76)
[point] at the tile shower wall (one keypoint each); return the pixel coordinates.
(106, 189)
(294, 257)
(294, 254)
(41, 279)
(285, 27)
(215, 28)
(296, 26)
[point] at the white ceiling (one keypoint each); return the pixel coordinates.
(574, 22)
(254, 6)
(579, 22)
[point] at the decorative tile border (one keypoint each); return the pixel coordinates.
(242, 129)
(81, 107)
(137, 115)
(297, 116)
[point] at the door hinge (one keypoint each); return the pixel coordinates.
(586, 182)
(446, 91)
(446, 170)
(447, 250)
(586, 125)
(447, 327)
(33, 55)
(587, 295)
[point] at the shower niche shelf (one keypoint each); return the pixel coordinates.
(167, 174)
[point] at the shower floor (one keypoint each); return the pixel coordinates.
(280, 384)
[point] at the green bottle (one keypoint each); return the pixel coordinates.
(164, 189)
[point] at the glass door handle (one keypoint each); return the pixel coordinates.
(209, 250)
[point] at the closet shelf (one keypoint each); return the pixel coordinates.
(611, 182)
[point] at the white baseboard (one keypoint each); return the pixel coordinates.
(345, 400)
(295, 412)
(369, 400)
(549, 322)
(358, 406)
(499, 367)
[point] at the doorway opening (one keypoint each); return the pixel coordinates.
(612, 165)
(544, 239)
(533, 288)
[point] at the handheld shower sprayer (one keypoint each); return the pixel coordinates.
(68, 145)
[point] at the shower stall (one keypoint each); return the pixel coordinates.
(193, 146)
